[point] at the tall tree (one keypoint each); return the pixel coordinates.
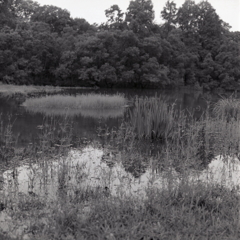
(56, 17)
(139, 16)
(187, 17)
(169, 14)
(115, 17)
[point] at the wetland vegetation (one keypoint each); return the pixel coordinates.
(98, 105)
(129, 183)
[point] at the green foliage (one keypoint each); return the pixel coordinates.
(43, 45)
(152, 118)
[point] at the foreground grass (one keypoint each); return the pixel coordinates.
(189, 210)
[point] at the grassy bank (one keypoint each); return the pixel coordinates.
(187, 207)
(9, 89)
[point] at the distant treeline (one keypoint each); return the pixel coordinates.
(43, 45)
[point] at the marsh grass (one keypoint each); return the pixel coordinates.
(89, 105)
(88, 101)
(153, 118)
(190, 210)
(227, 108)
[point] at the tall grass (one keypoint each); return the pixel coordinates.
(227, 108)
(153, 118)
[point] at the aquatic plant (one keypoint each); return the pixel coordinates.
(93, 105)
(153, 118)
(227, 108)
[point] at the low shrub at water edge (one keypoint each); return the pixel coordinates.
(87, 101)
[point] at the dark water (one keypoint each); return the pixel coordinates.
(26, 128)
(25, 124)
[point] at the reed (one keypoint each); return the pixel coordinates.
(227, 108)
(153, 118)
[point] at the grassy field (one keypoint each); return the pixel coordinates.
(187, 207)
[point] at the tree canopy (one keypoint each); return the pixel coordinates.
(192, 47)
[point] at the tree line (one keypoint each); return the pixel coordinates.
(44, 45)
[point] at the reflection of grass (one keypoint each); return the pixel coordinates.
(94, 113)
(90, 105)
(104, 113)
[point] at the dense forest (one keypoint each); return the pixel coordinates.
(44, 45)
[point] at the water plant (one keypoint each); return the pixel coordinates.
(227, 107)
(93, 105)
(154, 118)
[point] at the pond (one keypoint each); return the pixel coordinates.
(91, 165)
(25, 123)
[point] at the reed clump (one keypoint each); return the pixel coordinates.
(227, 108)
(154, 118)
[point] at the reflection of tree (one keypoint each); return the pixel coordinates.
(134, 163)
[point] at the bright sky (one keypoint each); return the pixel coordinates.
(94, 10)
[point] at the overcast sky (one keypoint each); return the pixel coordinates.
(93, 10)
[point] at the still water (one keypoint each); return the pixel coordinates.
(87, 165)
(25, 123)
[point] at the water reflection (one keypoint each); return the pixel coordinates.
(92, 113)
(84, 169)
(85, 122)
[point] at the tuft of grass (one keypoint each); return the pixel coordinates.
(153, 118)
(227, 108)
(93, 105)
